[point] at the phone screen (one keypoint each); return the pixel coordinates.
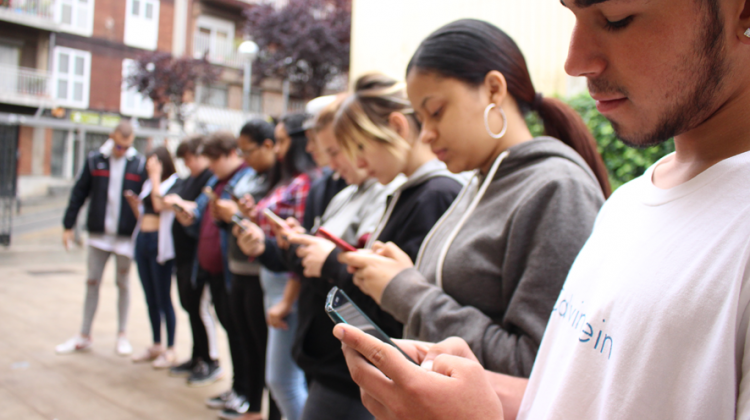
(342, 310)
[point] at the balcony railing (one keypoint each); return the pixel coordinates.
(221, 52)
(36, 13)
(24, 86)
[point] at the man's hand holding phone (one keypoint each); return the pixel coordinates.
(183, 210)
(374, 269)
(250, 238)
(247, 207)
(392, 387)
(224, 210)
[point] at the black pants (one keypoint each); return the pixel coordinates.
(220, 297)
(324, 403)
(246, 302)
(190, 299)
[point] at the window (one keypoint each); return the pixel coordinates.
(217, 96)
(131, 102)
(76, 16)
(215, 37)
(71, 77)
(142, 23)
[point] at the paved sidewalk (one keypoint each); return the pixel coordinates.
(41, 301)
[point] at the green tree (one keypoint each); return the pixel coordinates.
(624, 163)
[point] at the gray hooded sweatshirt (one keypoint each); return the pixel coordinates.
(504, 262)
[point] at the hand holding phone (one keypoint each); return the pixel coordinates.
(276, 220)
(237, 220)
(340, 243)
(341, 309)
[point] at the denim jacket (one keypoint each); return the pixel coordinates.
(224, 228)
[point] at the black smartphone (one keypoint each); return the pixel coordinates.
(341, 309)
(179, 208)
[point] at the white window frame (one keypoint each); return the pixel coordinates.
(215, 25)
(71, 78)
(82, 16)
(141, 31)
(133, 103)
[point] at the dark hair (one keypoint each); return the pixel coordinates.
(296, 161)
(220, 143)
(165, 158)
(468, 49)
(191, 145)
(258, 131)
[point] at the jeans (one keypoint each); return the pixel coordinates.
(283, 377)
(157, 282)
(97, 259)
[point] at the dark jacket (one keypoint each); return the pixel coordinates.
(315, 348)
(93, 183)
(188, 189)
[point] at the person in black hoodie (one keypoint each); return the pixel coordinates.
(115, 169)
(203, 362)
(376, 128)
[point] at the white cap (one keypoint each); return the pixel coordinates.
(314, 107)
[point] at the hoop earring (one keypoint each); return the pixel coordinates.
(487, 122)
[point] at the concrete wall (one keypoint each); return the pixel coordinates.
(385, 33)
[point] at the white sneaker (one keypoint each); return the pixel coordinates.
(75, 344)
(123, 347)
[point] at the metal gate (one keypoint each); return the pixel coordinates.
(8, 177)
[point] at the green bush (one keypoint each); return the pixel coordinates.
(624, 163)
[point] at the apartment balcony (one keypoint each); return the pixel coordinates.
(34, 13)
(219, 51)
(25, 87)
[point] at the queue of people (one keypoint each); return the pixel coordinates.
(512, 283)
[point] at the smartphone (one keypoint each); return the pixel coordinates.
(342, 244)
(209, 193)
(342, 310)
(179, 208)
(237, 220)
(276, 219)
(230, 190)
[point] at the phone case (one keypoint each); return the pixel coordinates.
(342, 310)
(343, 245)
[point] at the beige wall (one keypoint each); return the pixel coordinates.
(385, 33)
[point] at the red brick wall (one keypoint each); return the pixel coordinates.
(166, 26)
(25, 149)
(106, 79)
(109, 20)
(48, 151)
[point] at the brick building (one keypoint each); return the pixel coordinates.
(62, 66)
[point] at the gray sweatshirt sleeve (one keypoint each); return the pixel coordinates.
(544, 235)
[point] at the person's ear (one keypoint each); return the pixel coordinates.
(496, 87)
(743, 28)
(400, 124)
(268, 144)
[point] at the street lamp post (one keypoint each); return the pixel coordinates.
(249, 50)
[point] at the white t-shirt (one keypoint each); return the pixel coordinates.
(652, 320)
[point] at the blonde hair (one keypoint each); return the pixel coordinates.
(328, 114)
(364, 116)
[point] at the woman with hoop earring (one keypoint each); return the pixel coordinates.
(492, 268)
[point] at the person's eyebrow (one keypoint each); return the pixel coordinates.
(582, 4)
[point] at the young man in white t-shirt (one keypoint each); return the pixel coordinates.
(652, 321)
